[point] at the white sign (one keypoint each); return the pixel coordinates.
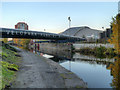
(119, 7)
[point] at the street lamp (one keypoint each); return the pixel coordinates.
(69, 24)
(69, 21)
(105, 34)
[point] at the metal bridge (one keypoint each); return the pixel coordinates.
(28, 34)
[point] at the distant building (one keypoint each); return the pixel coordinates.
(106, 34)
(21, 25)
(84, 32)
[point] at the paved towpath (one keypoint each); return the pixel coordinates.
(39, 72)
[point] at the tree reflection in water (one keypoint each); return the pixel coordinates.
(115, 72)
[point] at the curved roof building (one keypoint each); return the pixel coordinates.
(83, 32)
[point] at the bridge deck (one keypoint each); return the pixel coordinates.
(18, 33)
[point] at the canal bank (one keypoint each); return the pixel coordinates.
(39, 72)
(97, 72)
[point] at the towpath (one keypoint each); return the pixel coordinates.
(39, 72)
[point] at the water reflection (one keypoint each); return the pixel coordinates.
(98, 73)
(115, 72)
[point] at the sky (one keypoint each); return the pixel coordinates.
(53, 16)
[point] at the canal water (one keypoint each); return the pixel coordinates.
(96, 72)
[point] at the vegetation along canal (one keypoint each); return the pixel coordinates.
(97, 72)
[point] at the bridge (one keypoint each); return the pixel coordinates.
(28, 34)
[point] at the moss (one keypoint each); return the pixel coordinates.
(9, 56)
(79, 87)
(7, 73)
(70, 73)
(63, 76)
(8, 65)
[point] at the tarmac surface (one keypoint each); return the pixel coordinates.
(39, 72)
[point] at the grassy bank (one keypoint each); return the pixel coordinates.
(100, 52)
(9, 64)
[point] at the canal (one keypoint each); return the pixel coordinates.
(97, 72)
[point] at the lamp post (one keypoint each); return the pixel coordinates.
(105, 35)
(69, 21)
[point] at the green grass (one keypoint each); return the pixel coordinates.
(9, 55)
(7, 75)
(8, 65)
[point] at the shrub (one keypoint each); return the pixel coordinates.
(100, 52)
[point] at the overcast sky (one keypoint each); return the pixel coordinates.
(53, 16)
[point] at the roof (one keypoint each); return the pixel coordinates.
(81, 31)
(21, 23)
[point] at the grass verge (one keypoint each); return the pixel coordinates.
(9, 65)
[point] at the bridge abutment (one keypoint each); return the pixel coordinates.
(52, 46)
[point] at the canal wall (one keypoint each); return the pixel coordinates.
(66, 46)
(56, 53)
(83, 45)
(52, 46)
